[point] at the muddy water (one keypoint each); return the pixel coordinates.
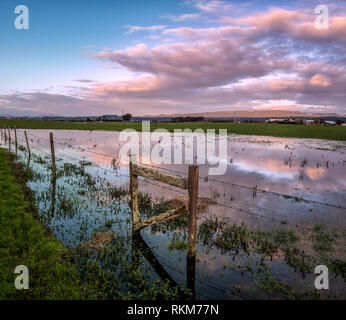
(270, 183)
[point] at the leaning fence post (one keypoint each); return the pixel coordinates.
(27, 147)
(191, 246)
(52, 155)
(15, 139)
(134, 196)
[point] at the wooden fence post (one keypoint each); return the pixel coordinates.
(15, 139)
(134, 196)
(52, 155)
(191, 184)
(27, 147)
(191, 245)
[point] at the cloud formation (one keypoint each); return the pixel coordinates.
(133, 29)
(274, 55)
(216, 60)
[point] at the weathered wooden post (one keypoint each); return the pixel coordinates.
(28, 148)
(191, 245)
(134, 195)
(52, 155)
(9, 139)
(15, 139)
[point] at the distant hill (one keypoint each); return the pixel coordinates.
(253, 114)
(229, 115)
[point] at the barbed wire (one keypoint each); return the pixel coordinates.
(207, 178)
(151, 182)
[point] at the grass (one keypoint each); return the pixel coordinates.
(261, 129)
(24, 241)
(323, 241)
(177, 244)
(56, 272)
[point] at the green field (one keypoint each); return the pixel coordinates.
(55, 272)
(24, 241)
(261, 129)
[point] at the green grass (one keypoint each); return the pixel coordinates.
(56, 272)
(262, 129)
(24, 241)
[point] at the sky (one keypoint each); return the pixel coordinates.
(150, 57)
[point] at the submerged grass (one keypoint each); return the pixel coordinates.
(108, 268)
(323, 240)
(25, 242)
(104, 268)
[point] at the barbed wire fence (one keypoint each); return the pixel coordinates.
(225, 194)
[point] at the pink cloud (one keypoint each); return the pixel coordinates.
(206, 64)
(194, 65)
(276, 55)
(297, 24)
(320, 80)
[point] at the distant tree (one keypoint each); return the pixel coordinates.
(178, 119)
(187, 119)
(127, 117)
(339, 122)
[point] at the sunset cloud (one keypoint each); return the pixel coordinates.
(217, 55)
(320, 80)
(197, 65)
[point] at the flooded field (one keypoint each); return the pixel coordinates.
(263, 226)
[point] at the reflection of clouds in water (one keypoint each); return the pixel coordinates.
(315, 173)
(272, 168)
(255, 161)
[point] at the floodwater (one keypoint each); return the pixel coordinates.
(270, 184)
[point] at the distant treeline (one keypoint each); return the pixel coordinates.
(187, 119)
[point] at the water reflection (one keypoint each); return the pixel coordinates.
(314, 170)
(273, 164)
(139, 245)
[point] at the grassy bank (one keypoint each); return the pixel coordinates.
(24, 241)
(262, 129)
(56, 272)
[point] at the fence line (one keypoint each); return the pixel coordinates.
(192, 205)
(192, 186)
(219, 181)
(148, 182)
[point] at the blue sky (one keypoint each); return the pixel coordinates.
(132, 53)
